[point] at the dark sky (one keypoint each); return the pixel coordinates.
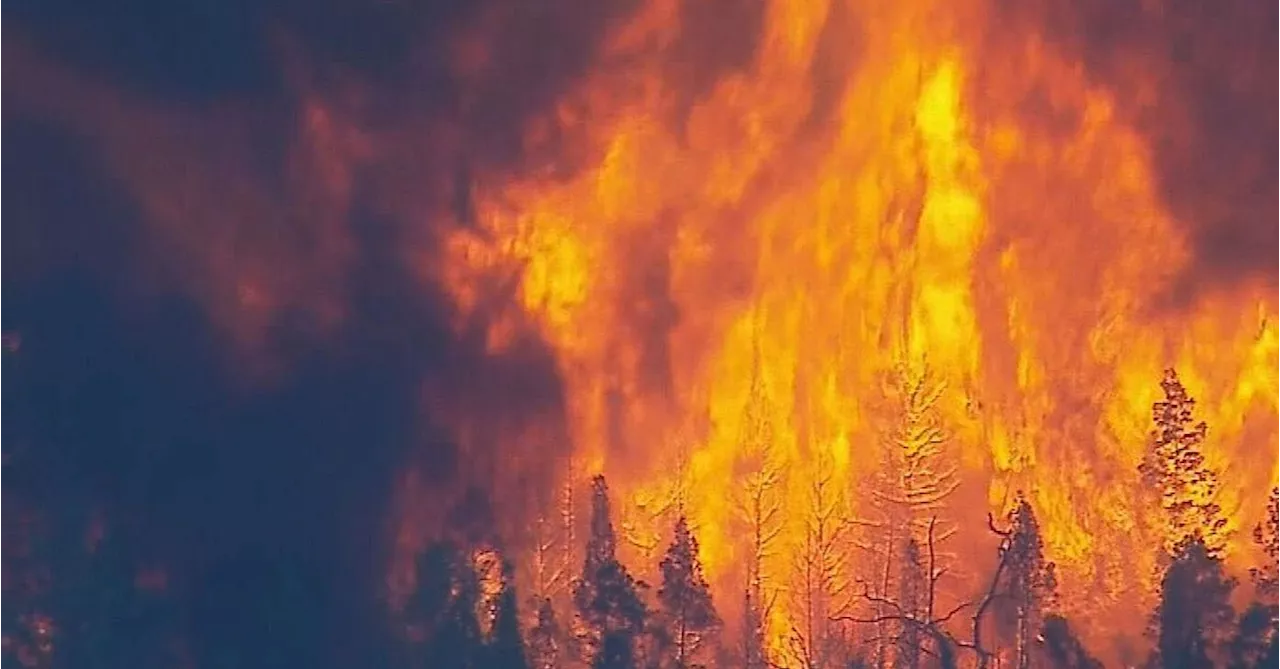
(129, 394)
(160, 151)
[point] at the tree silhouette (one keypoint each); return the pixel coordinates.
(505, 647)
(689, 616)
(759, 508)
(544, 637)
(1195, 617)
(1063, 649)
(1266, 535)
(610, 614)
(911, 587)
(910, 490)
(442, 610)
(1175, 467)
(1029, 584)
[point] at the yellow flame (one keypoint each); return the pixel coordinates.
(953, 197)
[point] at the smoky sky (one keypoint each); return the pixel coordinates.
(159, 151)
(124, 398)
(1213, 126)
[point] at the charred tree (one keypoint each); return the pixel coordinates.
(1029, 586)
(442, 610)
(1257, 641)
(761, 511)
(688, 614)
(1194, 620)
(1266, 535)
(911, 586)
(1174, 466)
(505, 648)
(610, 613)
(916, 629)
(819, 587)
(545, 637)
(910, 491)
(1062, 649)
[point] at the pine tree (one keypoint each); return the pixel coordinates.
(1029, 581)
(1175, 466)
(1257, 643)
(1063, 649)
(689, 615)
(610, 614)
(443, 610)
(1267, 537)
(505, 647)
(911, 489)
(544, 637)
(911, 585)
(1195, 617)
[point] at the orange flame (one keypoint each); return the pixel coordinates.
(951, 195)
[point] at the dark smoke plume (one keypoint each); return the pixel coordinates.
(1212, 125)
(216, 212)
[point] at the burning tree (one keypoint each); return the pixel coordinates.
(759, 507)
(911, 587)
(910, 621)
(1175, 467)
(910, 488)
(1266, 535)
(1257, 643)
(610, 614)
(1029, 584)
(1194, 619)
(1063, 648)
(442, 609)
(544, 637)
(688, 615)
(505, 647)
(819, 589)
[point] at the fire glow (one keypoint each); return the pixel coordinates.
(883, 186)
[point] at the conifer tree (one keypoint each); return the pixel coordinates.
(1195, 617)
(1063, 649)
(505, 647)
(1030, 582)
(544, 637)
(911, 489)
(1257, 643)
(1266, 535)
(688, 613)
(443, 609)
(1175, 467)
(911, 585)
(610, 614)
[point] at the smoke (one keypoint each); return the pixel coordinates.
(217, 218)
(1199, 80)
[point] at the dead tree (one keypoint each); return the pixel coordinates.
(927, 623)
(760, 510)
(910, 490)
(819, 589)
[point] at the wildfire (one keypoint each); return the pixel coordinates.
(942, 195)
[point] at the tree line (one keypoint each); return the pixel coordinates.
(614, 621)
(465, 612)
